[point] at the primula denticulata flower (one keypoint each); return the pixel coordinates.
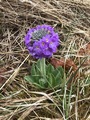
(42, 41)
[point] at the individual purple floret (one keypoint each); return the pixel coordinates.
(42, 41)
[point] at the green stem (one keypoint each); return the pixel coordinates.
(43, 67)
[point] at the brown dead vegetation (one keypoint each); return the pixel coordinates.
(18, 99)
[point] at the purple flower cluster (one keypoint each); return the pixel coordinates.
(42, 41)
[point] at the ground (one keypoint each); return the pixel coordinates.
(19, 99)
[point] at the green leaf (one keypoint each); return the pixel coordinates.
(33, 70)
(36, 78)
(61, 71)
(49, 69)
(51, 80)
(32, 78)
(54, 81)
(58, 77)
(55, 72)
(39, 86)
(43, 82)
(29, 78)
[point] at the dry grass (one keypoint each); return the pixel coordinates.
(18, 99)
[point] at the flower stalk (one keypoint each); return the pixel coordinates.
(43, 67)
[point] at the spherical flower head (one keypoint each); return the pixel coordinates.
(42, 41)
